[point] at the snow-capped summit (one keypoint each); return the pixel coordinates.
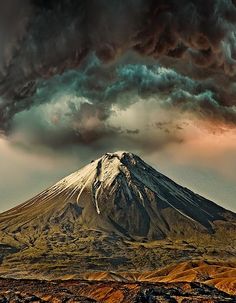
(118, 193)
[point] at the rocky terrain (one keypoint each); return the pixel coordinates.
(216, 274)
(108, 292)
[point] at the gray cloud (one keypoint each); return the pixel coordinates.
(51, 80)
(79, 107)
(53, 36)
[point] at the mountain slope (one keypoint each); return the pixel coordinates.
(117, 193)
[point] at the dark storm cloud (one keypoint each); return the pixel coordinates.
(78, 107)
(201, 30)
(49, 38)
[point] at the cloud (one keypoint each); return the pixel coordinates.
(49, 37)
(64, 65)
(73, 28)
(80, 106)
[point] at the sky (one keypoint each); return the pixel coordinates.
(81, 78)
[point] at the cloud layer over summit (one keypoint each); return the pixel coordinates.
(85, 77)
(45, 44)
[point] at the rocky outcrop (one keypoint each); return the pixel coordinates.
(19, 291)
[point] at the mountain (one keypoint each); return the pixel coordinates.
(104, 213)
(117, 193)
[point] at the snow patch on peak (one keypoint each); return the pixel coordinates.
(119, 155)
